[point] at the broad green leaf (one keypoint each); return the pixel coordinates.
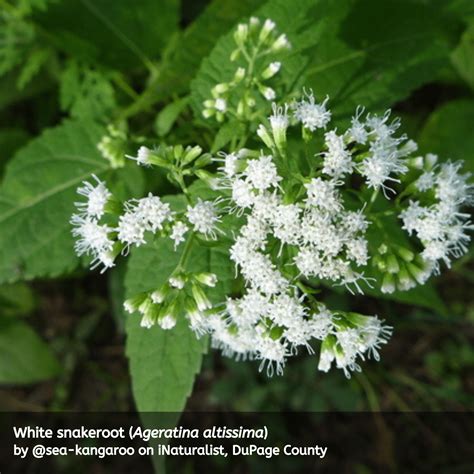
(25, 357)
(379, 52)
(116, 33)
(448, 132)
(163, 364)
(37, 199)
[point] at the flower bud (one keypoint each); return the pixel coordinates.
(241, 34)
(271, 70)
(219, 89)
(191, 153)
(267, 92)
(200, 298)
(267, 28)
(406, 254)
(281, 43)
(327, 354)
(177, 281)
(388, 283)
(131, 304)
(430, 160)
(239, 75)
(158, 296)
(392, 264)
(265, 136)
(208, 279)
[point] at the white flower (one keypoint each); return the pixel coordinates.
(323, 194)
(286, 223)
(286, 310)
(272, 352)
(131, 228)
(379, 128)
(204, 217)
(153, 212)
(312, 115)
(337, 160)
(220, 105)
(357, 250)
(279, 124)
(97, 198)
(143, 156)
(167, 322)
(321, 324)
(451, 186)
(373, 333)
(357, 131)
(92, 238)
(379, 166)
(231, 161)
(262, 173)
(178, 232)
(242, 193)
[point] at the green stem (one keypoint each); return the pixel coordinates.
(184, 256)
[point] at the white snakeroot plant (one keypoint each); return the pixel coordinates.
(297, 204)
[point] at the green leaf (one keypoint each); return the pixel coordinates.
(163, 364)
(378, 53)
(448, 132)
(111, 32)
(34, 62)
(168, 116)
(25, 357)
(37, 199)
(86, 92)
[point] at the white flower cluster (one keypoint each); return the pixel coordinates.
(271, 321)
(300, 219)
(441, 225)
(104, 241)
(257, 44)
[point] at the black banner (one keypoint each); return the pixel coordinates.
(229, 442)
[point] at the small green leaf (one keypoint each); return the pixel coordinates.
(168, 116)
(25, 357)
